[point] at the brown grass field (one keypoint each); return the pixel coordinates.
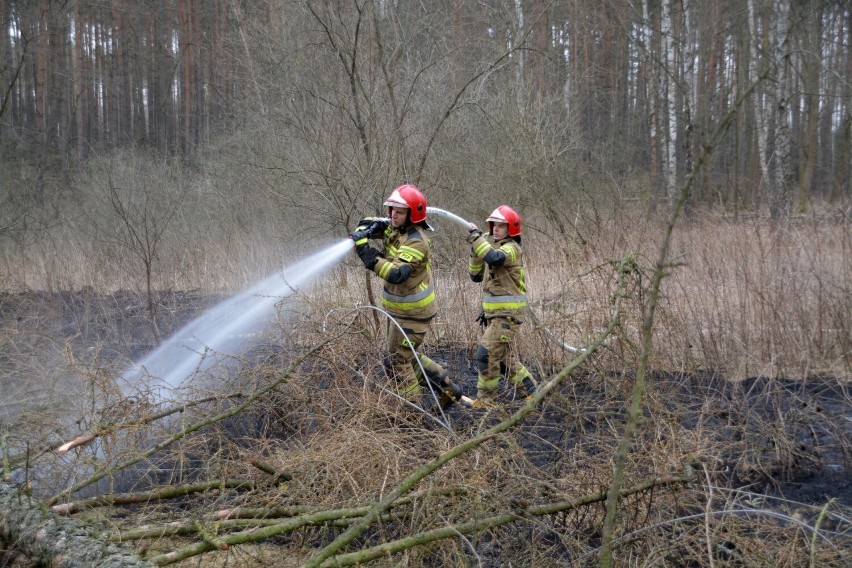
(742, 455)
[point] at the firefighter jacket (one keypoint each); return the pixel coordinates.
(406, 268)
(500, 267)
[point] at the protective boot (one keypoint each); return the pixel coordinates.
(485, 398)
(487, 389)
(529, 386)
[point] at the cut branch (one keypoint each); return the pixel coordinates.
(113, 427)
(344, 516)
(479, 525)
(148, 496)
(277, 476)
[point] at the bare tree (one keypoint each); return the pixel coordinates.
(670, 117)
(137, 216)
(781, 190)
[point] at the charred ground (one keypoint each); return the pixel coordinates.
(784, 443)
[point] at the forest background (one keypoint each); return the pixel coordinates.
(275, 122)
(162, 149)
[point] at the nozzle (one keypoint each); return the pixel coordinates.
(467, 402)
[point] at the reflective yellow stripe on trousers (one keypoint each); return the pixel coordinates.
(412, 302)
(492, 303)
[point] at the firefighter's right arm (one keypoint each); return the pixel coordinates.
(475, 267)
(483, 250)
(368, 255)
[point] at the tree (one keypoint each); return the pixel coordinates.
(780, 190)
(138, 213)
(670, 117)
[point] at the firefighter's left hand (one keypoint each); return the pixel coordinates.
(375, 226)
(365, 222)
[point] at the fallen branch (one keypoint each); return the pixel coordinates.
(279, 512)
(270, 517)
(158, 494)
(342, 517)
(256, 395)
(113, 427)
(260, 513)
(76, 442)
(17, 461)
(209, 538)
(479, 525)
(277, 476)
(182, 528)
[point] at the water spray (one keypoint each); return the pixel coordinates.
(228, 327)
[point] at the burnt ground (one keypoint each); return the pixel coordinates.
(781, 438)
(789, 438)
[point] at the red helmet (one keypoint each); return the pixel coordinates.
(505, 214)
(408, 196)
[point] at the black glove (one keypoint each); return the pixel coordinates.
(368, 255)
(473, 234)
(374, 226)
(377, 228)
(481, 319)
(360, 236)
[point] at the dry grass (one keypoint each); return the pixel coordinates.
(742, 301)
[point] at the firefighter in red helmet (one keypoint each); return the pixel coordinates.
(497, 260)
(405, 265)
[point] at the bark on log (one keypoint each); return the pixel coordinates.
(27, 527)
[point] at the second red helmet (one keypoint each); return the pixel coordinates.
(505, 214)
(408, 196)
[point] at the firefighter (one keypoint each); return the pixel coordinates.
(498, 262)
(409, 293)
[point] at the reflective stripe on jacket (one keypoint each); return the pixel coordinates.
(407, 271)
(500, 267)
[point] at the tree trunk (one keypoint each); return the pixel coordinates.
(670, 116)
(652, 72)
(812, 70)
(79, 86)
(49, 540)
(843, 154)
(779, 198)
(761, 106)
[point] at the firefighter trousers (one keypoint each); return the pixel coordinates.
(405, 370)
(496, 356)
